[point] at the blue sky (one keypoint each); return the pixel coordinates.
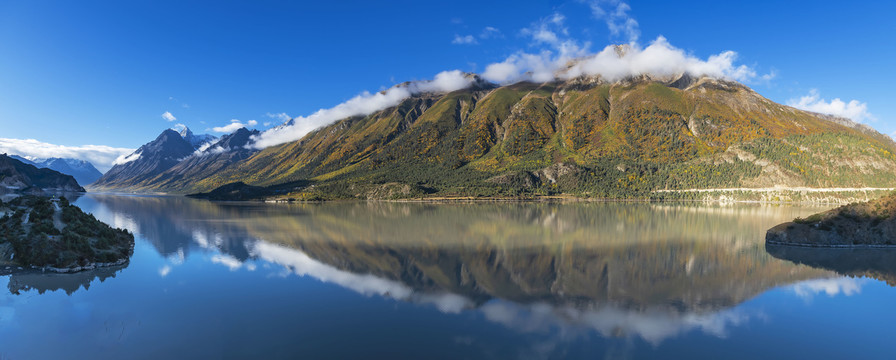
(103, 73)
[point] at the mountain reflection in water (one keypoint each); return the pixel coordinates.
(875, 263)
(651, 270)
(25, 281)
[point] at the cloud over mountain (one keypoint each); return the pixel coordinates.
(362, 104)
(854, 109)
(234, 125)
(559, 56)
(553, 55)
(101, 156)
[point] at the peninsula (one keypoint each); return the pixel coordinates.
(867, 224)
(52, 234)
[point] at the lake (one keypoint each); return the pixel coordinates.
(450, 281)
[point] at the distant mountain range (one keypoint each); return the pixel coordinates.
(19, 176)
(173, 159)
(583, 136)
(83, 171)
(151, 159)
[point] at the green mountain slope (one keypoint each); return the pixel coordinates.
(582, 137)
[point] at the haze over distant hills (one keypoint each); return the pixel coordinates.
(83, 171)
(19, 176)
(584, 136)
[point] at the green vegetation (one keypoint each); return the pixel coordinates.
(621, 140)
(41, 231)
(871, 223)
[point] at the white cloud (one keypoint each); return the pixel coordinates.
(207, 149)
(362, 104)
(547, 30)
(165, 270)
(301, 264)
(283, 117)
(555, 56)
(558, 56)
(227, 260)
(653, 324)
(101, 156)
(659, 59)
(615, 14)
(613, 63)
(234, 126)
(830, 287)
(124, 159)
(167, 116)
(464, 40)
(854, 109)
(491, 33)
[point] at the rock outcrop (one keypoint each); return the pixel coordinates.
(869, 224)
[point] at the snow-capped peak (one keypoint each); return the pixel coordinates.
(197, 141)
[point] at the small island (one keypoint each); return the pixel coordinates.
(52, 234)
(870, 224)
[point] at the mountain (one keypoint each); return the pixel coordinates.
(177, 172)
(151, 159)
(24, 160)
(177, 152)
(230, 149)
(583, 136)
(83, 171)
(19, 176)
(196, 140)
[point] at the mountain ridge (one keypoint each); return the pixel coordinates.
(83, 171)
(197, 141)
(584, 137)
(18, 176)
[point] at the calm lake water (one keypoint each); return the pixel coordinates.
(451, 281)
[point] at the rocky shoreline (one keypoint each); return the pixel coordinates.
(12, 269)
(831, 246)
(50, 234)
(75, 269)
(859, 225)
